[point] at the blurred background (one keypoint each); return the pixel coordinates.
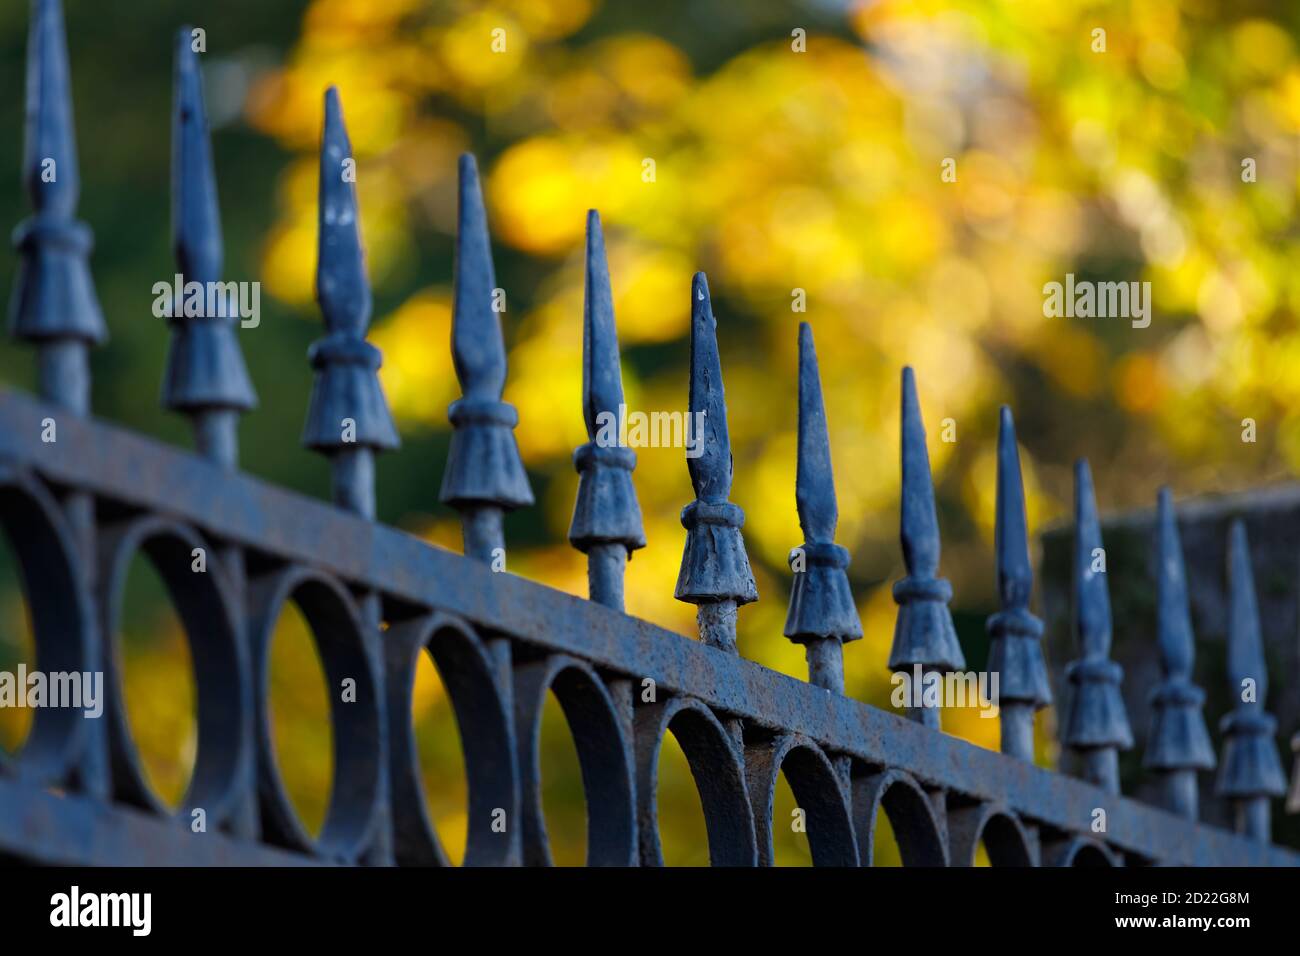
(783, 161)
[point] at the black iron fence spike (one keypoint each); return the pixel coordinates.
(1250, 773)
(1178, 744)
(205, 375)
(924, 635)
(606, 522)
(54, 303)
(485, 476)
(348, 417)
(1015, 651)
(822, 614)
(1096, 724)
(715, 572)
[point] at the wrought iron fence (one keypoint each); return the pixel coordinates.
(80, 498)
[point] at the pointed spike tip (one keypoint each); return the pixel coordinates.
(50, 131)
(1011, 533)
(710, 470)
(1245, 650)
(602, 379)
(1092, 600)
(477, 346)
(196, 222)
(918, 520)
(342, 286)
(1173, 615)
(814, 476)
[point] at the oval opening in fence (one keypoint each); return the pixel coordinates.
(17, 646)
(683, 833)
(790, 845)
(884, 845)
(563, 801)
(299, 707)
(438, 745)
(158, 684)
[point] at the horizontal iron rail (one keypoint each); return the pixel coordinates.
(116, 464)
(39, 826)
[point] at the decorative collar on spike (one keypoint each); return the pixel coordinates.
(54, 295)
(821, 601)
(205, 368)
(715, 566)
(1178, 739)
(1096, 715)
(1016, 651)
(606, 510)
(483, 466)
(347, 407)
(1251, 766)
(924, 632)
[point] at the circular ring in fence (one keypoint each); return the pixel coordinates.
(359, 735)
(1005, 840)
(604, 752)
(62, 616)
(719, 772)
(916, 825)
(817, 791)
(209, 616)
(1077, 851)
(469, 674)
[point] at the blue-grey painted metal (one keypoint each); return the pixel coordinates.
(1016, 650)
(485, 476)
(54, 304)
(79, 509)
(55, 307)
(924, 636)
(1096, 725)
(606, 522)
(1178, 744)
(1251, 772)
(715, 573)
(822, 615)
(205, 377)
(348, 418)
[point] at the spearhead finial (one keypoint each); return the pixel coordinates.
(196, 221)
(1178, 738)
(602, 376)
(1251, 767)
(348, 409)
(478, 350)
(821, 601)
(923, 632)
(1016, 651)
(484, 469)
(710, 468)
(1095, 720)
(606, 516)
(54, 302)
(715, 568)
(205, 368)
